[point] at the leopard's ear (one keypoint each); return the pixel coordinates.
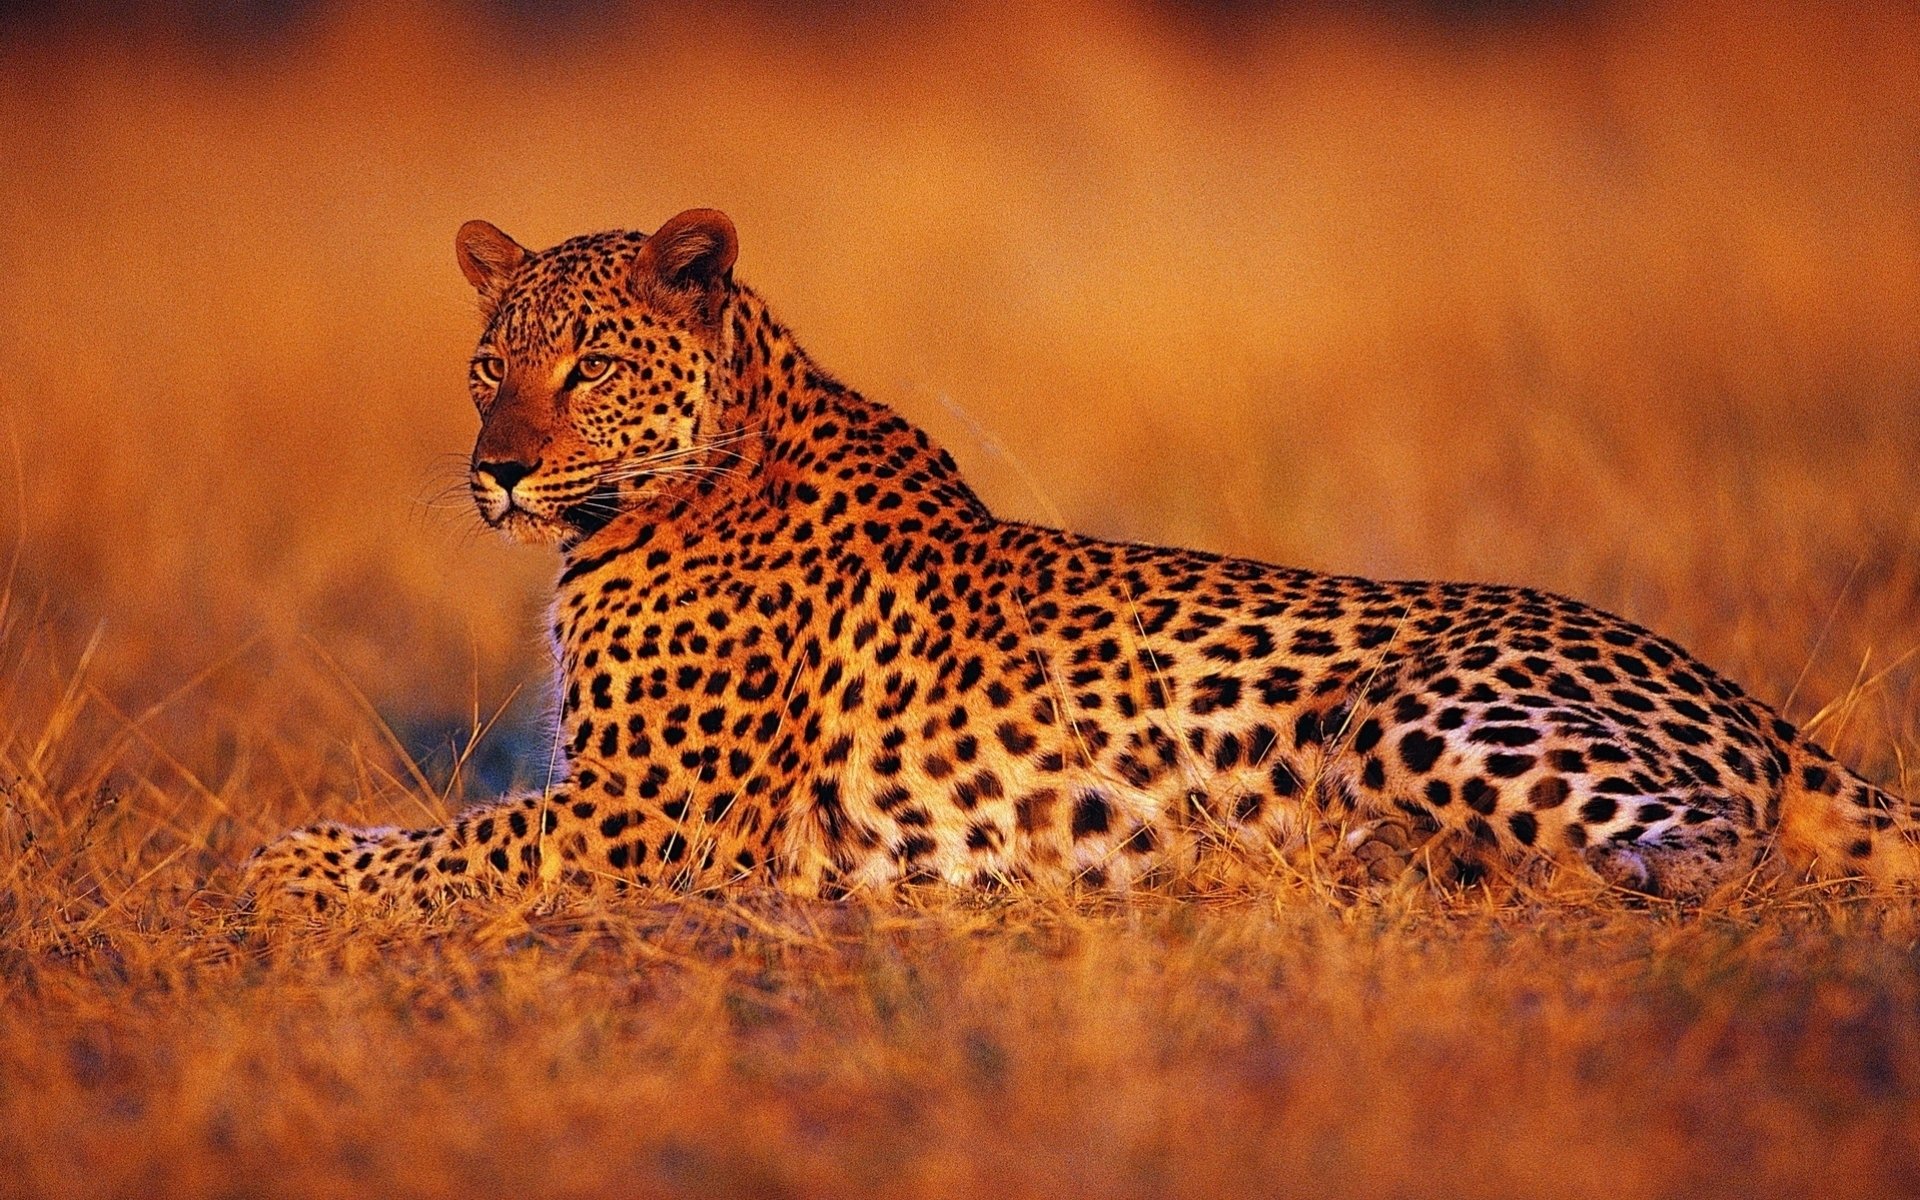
(488, 258)
(692, 253)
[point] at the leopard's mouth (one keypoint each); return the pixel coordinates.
(563, 522)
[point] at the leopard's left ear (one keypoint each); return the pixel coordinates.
(692, 253)
(488, 258)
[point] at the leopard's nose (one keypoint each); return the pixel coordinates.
(507, 472)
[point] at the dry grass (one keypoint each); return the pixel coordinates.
(1623, 305)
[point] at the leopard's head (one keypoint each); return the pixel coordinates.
(595, 377)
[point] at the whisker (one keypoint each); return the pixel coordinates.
(717, 444)
(651, 460)
(637, 470)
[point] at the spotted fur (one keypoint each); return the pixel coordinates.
(794, 646)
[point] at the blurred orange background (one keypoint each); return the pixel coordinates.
(1621, 300)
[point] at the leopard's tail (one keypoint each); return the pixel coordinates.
(1834, 824)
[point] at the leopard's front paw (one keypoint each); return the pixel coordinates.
(316, 870)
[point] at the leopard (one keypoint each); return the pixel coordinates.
(794, 649)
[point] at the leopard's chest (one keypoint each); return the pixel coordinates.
(684, 674)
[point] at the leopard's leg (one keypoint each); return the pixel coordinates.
(563, 836)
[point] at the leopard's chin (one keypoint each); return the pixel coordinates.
(519, 525)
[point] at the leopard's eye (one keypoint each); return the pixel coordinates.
(592, 367)
(491, 370)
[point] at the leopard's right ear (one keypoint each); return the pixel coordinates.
(488, 258)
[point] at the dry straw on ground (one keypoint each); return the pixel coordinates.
(1621, 303)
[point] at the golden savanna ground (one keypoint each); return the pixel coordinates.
(1622, 301)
